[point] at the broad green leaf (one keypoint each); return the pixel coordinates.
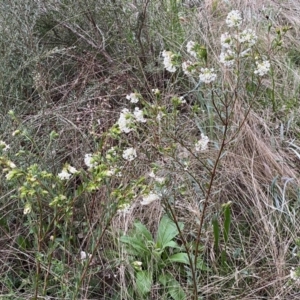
(142, 230)
(135, 245)
(167, 231)
(173, 287)
(183, 258)
(179, 258)
(176, 291)
(163, 279)
(144, 282)
(172, 244)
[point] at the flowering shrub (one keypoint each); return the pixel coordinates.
(161, 150)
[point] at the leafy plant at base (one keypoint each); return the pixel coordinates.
(157, 255)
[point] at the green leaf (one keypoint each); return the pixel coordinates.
(172, 244)
(216, 230)
(176, 291)
(180, 258)
(183, 258)
(144, 282)
(173, 287)
(135, 245)
(167, 231)
(142, 230)
(22, 242)
(227, 220)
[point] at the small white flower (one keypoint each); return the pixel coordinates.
(181, 100)
(168, 63)
(88, 160)
(226, 40)
(139, 115)
(188, 68)
(234, 19)
(147, 199)
(262, 68)
(84, 255)
(207, 75)
(27, 209)
(248, 36)
(190, 48)
(10, 164)
(227, 58)
(157, 178)
(64, 175)
(294, 276)
(129, 154)
(110, 172)
(202, 144)
(137, 265)
(72, 170)
(159, 116)
(155, 91)
(4, 146)
(124, 208)
(125, 120)
(160, 180)
(133, 97)
(151, 174)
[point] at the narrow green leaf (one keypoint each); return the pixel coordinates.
(224, 259)
(216, 230)
(227, 220)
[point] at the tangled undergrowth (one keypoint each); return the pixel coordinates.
(149, 150)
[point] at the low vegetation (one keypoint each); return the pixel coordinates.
(149, 149)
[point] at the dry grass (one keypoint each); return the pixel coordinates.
(80, 94)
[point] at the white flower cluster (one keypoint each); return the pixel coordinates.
(202, 144)
(129, 154)
(67, 172)
(133, 97)
(226, 40)
(127, 118)
(190, 47)
(139, 115)
(262, 68)
(227, 58)
(188, 68)
(234, 19)
(158, 179)
(237, 45)
(89, 161)
(248, 36)
(168, 57)
(207, 75)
